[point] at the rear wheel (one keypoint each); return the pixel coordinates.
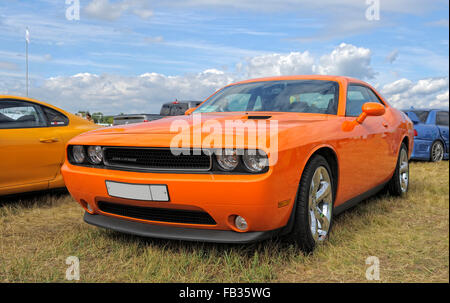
(314, 212)
(399, 183)
(436, 151)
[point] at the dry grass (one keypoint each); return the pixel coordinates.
(410, 236)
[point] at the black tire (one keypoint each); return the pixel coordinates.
(395, 185)
(302, 233)
(436, 151)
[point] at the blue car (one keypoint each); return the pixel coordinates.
(431, 134)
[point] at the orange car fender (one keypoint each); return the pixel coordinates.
(302, 166)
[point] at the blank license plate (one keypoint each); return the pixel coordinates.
(146, 192)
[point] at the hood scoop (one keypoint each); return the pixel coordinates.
(258, 117)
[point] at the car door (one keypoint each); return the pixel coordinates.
(442, 124)
(30, 147)
(365, 150)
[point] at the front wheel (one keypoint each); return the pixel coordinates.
(436, 151)
(314, 212)
(399, 183)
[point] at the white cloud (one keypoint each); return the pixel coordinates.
(104, 10)
(397, 87)
(111, 11)
(294, 63)
(347, 60)
(431, 92)
(112, 93)
(398, 6)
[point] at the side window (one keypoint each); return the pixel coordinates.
(373, 96)
(258, 104)
(357, 95)
(19, 114)
(442, 118)
(54, 117)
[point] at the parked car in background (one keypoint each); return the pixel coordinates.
(176, 108)
(431, 141)
(337, 142)
(33, 135)
(134, 118)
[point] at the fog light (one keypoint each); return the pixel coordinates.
(240, 223)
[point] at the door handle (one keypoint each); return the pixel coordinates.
(48, 140)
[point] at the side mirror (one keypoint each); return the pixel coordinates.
(189, 111)
(371, 109)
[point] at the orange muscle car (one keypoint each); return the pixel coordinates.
(259, 158)
(33, 136)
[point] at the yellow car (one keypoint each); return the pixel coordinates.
(33, 135)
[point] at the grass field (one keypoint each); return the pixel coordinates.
(410, 236)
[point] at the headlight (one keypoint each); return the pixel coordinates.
(78, 154)
(95, 154)
(227, 159)
(255, 162)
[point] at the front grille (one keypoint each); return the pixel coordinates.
(155, 159)
(157, 214)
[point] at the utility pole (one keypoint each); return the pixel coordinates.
(27, 41)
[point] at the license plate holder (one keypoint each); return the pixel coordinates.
(143, 192)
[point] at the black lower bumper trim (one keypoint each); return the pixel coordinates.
(177, 233)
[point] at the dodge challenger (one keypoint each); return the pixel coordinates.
(278, 156)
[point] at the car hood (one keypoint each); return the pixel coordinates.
(160, 133)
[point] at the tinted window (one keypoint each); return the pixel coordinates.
(373, 96)
(422, 115)
(18, 114)
(165, 110)
(54, 117)
(442, 118)
(301, 96)
(357, 95)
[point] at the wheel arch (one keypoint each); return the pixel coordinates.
(330, 155)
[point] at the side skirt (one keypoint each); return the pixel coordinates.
(354, 201)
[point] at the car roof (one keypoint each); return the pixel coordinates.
(18, 98)
(302, 77)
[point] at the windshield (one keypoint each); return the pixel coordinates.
(299, 96)
(422, 115)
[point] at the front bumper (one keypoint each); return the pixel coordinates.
(254, 197)
(177, 233)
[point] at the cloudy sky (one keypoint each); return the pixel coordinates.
(132, 55)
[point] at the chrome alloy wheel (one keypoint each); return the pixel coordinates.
(404, 170)
(320, 204)
(437, 152)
